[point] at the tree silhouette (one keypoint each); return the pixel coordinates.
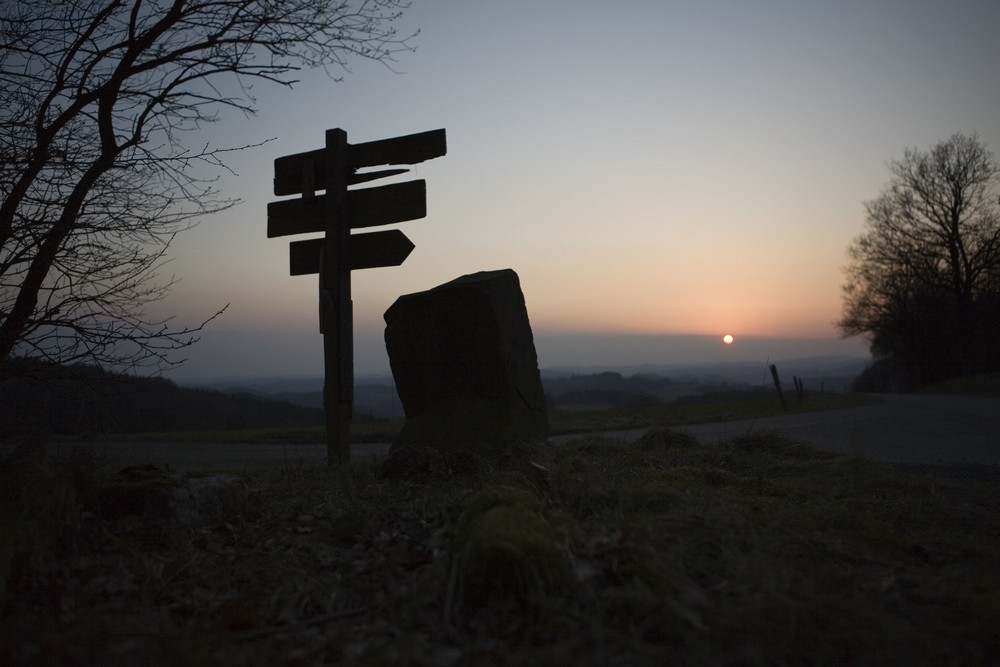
(95, 99)
(923, 282)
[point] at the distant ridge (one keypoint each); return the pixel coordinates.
(748, 372)
(40, 399)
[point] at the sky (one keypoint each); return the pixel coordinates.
(658, 174)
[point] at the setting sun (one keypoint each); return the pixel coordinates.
(728, 339)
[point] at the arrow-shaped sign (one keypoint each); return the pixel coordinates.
(368, 207)
(292, 172)
(368, 251)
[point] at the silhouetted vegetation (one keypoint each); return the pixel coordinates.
(924, 278)
(39, 399)
(95, 101)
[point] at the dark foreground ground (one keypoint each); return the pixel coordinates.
(601, 551)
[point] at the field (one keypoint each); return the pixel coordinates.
(758, 550)
(754, 406)
(561, 422)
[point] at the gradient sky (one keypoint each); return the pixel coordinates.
(658, 173)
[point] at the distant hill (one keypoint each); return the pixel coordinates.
(612, 389)
(374, 395)
(821, 373)
(49, 399)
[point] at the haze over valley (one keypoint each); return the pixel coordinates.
(567, 387)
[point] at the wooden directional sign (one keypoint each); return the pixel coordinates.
(368, 251)
(335, 213)
(293, 171)
(368, 207)
(409, 149)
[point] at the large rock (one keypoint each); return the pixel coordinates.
(464, 363)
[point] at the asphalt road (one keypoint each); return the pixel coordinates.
(913, 430)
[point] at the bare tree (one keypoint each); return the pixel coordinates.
(922, 282)
(95, 99)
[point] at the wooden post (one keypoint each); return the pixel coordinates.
(336, 317)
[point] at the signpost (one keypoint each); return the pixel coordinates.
(332, 169)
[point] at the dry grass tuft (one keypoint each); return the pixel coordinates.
(507, 556)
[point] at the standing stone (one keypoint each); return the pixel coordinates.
(464, 362)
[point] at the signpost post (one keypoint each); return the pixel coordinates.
(337, 211)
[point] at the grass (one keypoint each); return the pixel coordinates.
(758, 550)
(361, 432)
(665, 416)
(560, 421)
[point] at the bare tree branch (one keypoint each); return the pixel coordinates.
(95, 99)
